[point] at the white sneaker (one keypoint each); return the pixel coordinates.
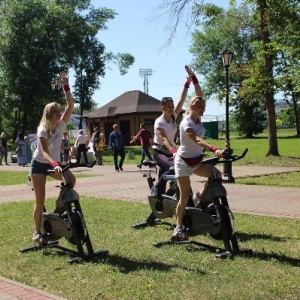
(197, 198)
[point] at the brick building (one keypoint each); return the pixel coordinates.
(128, 110)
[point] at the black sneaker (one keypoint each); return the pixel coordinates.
(121, 169)
(39, 238)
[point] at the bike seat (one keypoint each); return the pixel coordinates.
(149, 163)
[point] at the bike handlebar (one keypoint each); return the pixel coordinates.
(73, 165)
(229, 158)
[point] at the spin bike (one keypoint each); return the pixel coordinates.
(67, 221)
(212, 215)
(165, 206)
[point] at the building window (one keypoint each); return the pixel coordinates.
(149, 122)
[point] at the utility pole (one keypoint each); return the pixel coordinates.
(146, 73)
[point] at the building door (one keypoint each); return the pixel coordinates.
(125, 129)
(108, 130)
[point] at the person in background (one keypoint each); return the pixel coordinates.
(65, 148)
(3, 140)
(28, 142)
(117, 144)
(145, 137)
(165, 128)
(99, 143)
(47, 154)
(21, 150)
(81, 144)
(91, 142)
(1, 152)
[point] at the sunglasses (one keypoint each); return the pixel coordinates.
(165, 99)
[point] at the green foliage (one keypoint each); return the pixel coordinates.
(40, 38)
(287, 117)
(266, 52)
(218, 25)
(130, 155)
(124, 60)
(248, 119)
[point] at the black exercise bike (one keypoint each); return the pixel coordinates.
(212, 215)
(67, 221)
(161, 207)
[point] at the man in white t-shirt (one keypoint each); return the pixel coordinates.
(81, 145)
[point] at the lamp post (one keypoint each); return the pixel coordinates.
(227, 171)
(56, 87)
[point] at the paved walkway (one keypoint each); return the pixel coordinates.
(130, 185)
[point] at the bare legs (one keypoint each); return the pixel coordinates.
(39, 186)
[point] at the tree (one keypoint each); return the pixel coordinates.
(90, 59)
(206, 47)
(260, 70)
(21, 41)
(248, 120)
(286, 117)
(38, 39)
(285, 21)
(267, 71)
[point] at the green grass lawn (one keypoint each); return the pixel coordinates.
(135, 269)
(291, 179)
(20, 177)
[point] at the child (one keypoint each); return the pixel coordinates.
(65, 148)
(99, 143)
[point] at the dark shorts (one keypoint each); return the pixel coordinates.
(39, 168)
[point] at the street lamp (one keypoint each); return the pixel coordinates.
(227, 171)
(56, 86)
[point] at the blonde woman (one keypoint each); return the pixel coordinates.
(188, 159)
(47, 153)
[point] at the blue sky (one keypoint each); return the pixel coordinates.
(132, 32)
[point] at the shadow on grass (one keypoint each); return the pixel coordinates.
(282, 258)
(288, 137)
(126, 265)
(160, 223)
(292, 136)
(243, 237)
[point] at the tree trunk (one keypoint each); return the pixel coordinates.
(295, 109)
(273, 147)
